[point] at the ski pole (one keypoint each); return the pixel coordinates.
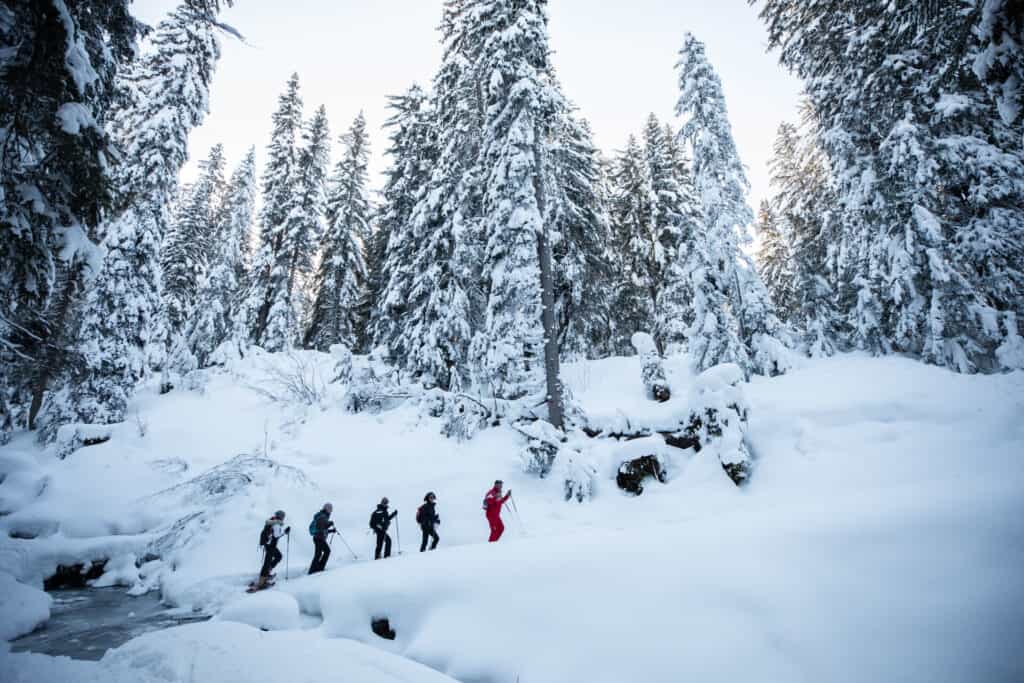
(515, 509)
(354, 556)
(398, 534)
(287, 554)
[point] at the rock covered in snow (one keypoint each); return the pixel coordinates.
(71, 437)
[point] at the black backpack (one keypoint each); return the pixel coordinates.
(266, 534)
(419, 515)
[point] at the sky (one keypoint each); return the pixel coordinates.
(615, 60)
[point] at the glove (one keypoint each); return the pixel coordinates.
(287, 530)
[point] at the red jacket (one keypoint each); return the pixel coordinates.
(493, 502)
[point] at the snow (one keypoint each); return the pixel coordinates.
(267, 610)
(222, 652)
(23, 607)
(879, 536)
(74, 117)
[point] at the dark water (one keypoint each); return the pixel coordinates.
(85, 623)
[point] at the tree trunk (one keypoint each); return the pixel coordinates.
(556, 407)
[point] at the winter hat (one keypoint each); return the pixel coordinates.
(384, 500)
(430, 494)
(328, 507)
(279, 514)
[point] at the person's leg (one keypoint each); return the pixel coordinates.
(433, 533)
(326, 554)
(387, 546)
(267, 566)
(380, 544)
(423, 543)
(318, 545)
(275, 559)
(499, 528)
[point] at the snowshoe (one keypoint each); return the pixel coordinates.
(256, 586)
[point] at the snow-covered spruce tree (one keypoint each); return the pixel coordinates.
(213, 321)
(188, 244)
(341, 277)
(58, 68)
(440, 299)
(579, 217)
(165, 96)
(805, 208)
(632, 307)
(775, 262)
(413, 153)
(520, 104)
(731, 303)
(303, 229)
(675, 228)
(271, 277)
(928, 171)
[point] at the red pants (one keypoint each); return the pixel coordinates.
(497, 528)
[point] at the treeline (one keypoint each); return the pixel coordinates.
(503, 240)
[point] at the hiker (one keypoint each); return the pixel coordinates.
(319, 528)
(426, 517)
(492, 508)
(273, 529)
(380, 520)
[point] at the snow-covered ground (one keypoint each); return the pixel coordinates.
(881, 536)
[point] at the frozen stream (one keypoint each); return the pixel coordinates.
(85, 623)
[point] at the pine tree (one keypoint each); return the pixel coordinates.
(58, 69)
(341, 277)
(806, 205)
(928, 171)
(165, 97)
(775, 262)
(580, 220)
(735, 307)
(413, 153)
(441, 302)
(633, 309)
(520, 104)
(215, 319)
(188, 245)
(269, 289)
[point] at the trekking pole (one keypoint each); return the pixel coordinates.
(398, 534)
(354, 556)
(515, 509)
(287, 554)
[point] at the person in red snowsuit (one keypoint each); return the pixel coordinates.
(492, 508)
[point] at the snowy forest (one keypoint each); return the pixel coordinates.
(897, 224)
(496, 284)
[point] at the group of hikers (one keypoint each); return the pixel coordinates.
(380, 522)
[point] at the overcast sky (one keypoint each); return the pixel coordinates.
(615, 59)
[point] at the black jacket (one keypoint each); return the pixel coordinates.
(322, 523)
(428, 515)
(380, 520)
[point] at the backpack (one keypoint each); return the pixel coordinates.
(419, 515)
(371, 521)
(266, 534)
(312, 525)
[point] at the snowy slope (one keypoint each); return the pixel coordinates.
(880, 537)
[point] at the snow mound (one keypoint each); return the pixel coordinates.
(222, 652)
(23, 607)
(269, 610)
